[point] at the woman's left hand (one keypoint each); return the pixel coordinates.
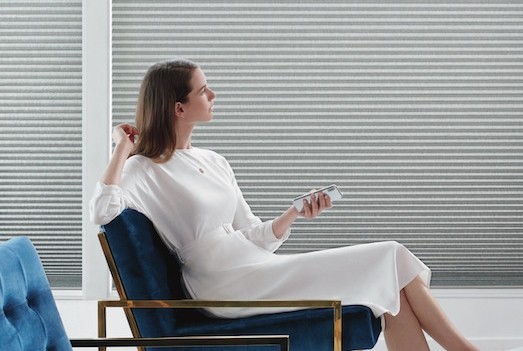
(316, 206)
(310, 210)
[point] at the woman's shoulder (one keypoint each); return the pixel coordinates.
(138, 162)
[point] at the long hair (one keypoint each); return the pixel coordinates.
(164, 85)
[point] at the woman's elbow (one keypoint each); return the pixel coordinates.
(99, 219)
(101, 215)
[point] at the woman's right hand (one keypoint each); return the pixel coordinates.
(125, 134)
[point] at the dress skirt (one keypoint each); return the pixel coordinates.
(224, 265)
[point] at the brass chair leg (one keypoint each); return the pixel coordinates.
(102, 324)
(337, 325)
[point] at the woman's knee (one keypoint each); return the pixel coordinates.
(404, 301)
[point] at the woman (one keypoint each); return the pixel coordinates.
(192, 197)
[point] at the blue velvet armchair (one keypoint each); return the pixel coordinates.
(147, 277)
(29, 319)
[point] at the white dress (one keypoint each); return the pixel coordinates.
(228, 253)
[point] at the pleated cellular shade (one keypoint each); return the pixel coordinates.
(414, 109)
(41, 131)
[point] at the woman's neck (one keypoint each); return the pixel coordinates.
(183, 136)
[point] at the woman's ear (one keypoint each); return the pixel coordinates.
(178, 110)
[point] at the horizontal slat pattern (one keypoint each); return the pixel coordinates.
(413, 108)
(41, 132)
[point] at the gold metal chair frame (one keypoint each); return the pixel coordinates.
(128, 304)
(102, 343)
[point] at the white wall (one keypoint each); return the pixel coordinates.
(492, 319)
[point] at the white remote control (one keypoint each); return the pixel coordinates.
(331, 190)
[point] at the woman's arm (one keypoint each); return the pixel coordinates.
(123, 137)
(108, 200)
(310, 210)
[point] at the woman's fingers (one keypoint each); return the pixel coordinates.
(324, 201)
(314, 205)
(124, 131)
(306, 209)
(129, 129)
(317, 204)
(321, 202)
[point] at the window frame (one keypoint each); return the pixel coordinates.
(96, 143)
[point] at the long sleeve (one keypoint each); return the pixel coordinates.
(252, 227)
(107, 202)
(261, 234)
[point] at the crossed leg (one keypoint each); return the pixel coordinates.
(420, 312)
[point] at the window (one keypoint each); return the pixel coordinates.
(414, 110)
(41, 132)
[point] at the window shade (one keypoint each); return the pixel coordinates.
(413, 108)
(41, 132)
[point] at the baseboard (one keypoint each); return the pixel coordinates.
(484, 344)
(498, 344)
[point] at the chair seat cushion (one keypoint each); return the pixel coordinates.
(309, 329)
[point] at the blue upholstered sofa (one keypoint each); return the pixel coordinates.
(29, 319)
(144, 269)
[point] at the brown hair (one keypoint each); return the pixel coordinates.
(164, 85)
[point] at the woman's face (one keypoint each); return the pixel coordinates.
(200, 101)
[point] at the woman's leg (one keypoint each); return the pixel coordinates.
(403, 331)
(432, 318)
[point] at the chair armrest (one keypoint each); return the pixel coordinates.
(334, 304)
(188, 303)
(281, 340)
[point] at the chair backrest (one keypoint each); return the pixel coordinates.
(143, 269)
(29, 319)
